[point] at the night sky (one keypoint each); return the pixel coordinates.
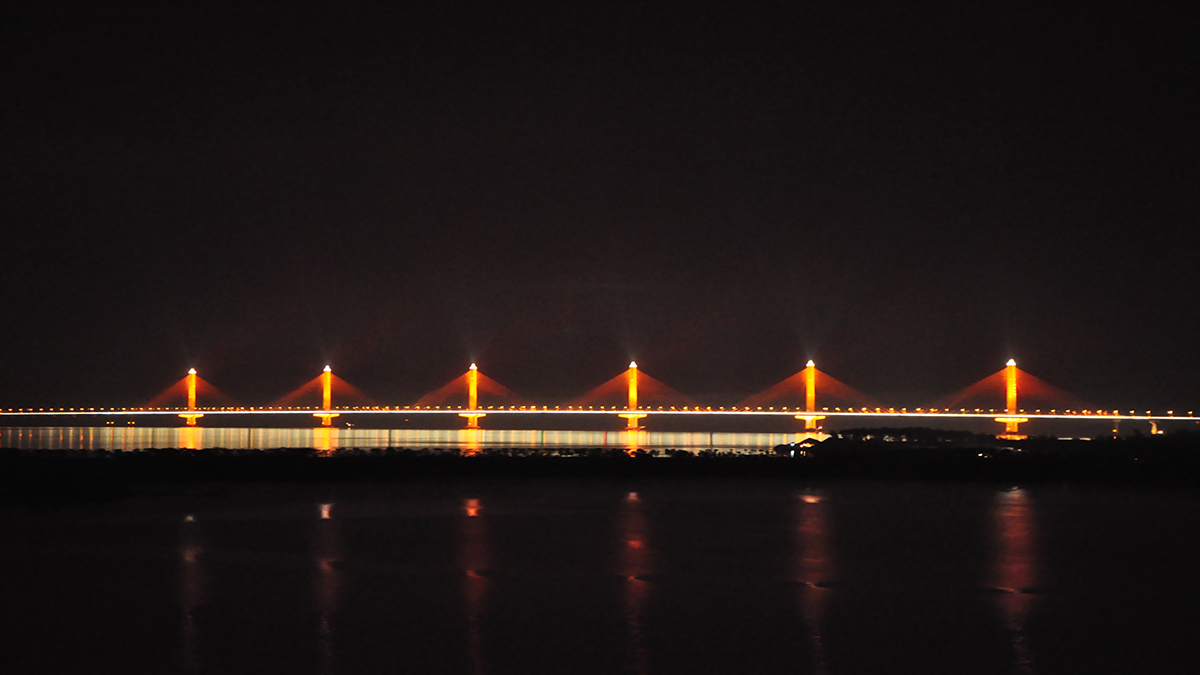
(909, 197)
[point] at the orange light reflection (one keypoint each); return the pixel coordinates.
(814, 571)
(190, 438)
(1015, 570)
(191, 590)
(325, 440)
(327, 554)
(634, 565)
(474, 561)
(470, 441)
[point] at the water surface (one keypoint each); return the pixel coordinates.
(637, 576)
(129, 438)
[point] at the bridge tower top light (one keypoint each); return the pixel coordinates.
(810, 364)
(1011, 363)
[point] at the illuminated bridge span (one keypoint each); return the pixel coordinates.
(632, 411)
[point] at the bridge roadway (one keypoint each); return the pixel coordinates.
(878, 413)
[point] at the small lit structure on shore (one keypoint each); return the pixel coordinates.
(472, 413)
(1011, 421)
(631, 414)
(326, 398)
(191, 415)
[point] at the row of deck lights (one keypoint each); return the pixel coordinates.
(929, 411)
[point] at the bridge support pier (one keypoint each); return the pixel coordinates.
(632, 420)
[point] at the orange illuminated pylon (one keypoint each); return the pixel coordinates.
(810, 396)
(1011, 421)
(191, 416)
(326, 398)
(632, 415)
(472, 399)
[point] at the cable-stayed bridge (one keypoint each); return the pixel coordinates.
(804, 391)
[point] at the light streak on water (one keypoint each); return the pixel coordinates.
(327, 439)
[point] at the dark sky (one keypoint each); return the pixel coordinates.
(910, 197)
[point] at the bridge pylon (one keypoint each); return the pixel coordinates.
(191, 415)
(1010, 419)
(326, 398)
(472, 413)
(632, 415)
(810, 398)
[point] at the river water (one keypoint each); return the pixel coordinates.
(637, 576)
(129, 438)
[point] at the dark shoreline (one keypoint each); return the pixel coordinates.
(33, 476)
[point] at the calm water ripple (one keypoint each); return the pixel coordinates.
(196, 438)
(635, 576)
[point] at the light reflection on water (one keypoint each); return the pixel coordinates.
(475, 563)
(318, 550)
(1016, 569)
(634, 565)
(814, 572)
(328, 554)
(326, 439)
(191, 590)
